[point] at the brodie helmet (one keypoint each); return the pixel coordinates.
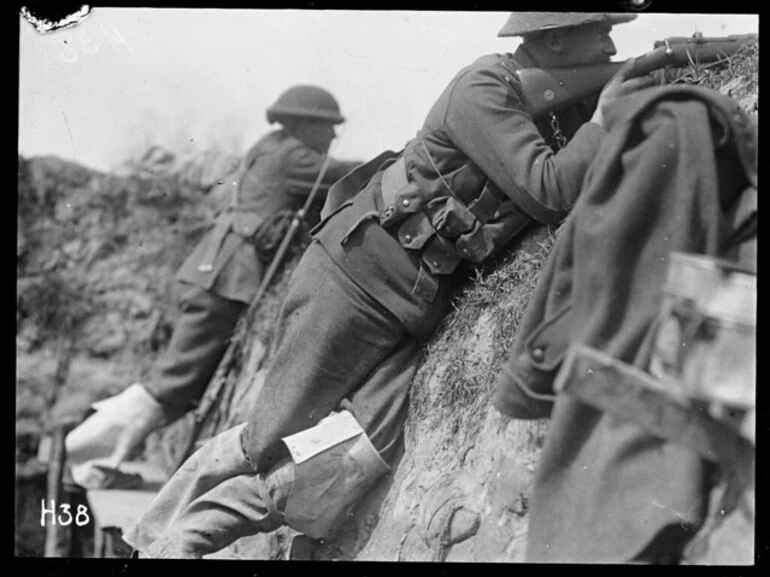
(521, 23)
(306, 101)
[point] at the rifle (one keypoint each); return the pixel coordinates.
(217, 384)
(554, 88)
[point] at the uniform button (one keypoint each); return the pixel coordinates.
(408, 237)
(538, 354)
(206, 268)
(405, 202)
(436, 263)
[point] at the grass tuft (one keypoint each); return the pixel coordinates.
(474, 341)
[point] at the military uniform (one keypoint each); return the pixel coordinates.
(222, 274)
(477, 173)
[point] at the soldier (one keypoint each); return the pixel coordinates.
(398, 235)
(222, 274)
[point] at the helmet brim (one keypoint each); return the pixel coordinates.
(276, 114)
(522, 23)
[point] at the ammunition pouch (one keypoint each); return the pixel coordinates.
(446, 229)
(335, 464)
(450, 218)
(477, 245)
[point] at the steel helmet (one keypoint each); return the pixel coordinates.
(306, 101)
(521, 23)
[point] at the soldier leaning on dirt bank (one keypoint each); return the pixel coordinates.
(222, 274)
(375, 283)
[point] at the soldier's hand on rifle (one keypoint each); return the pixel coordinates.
(624, 82)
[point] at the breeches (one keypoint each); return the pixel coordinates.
(198, 343)
(335, 347)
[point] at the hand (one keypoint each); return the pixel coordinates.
(619, 86)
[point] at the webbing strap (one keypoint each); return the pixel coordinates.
(483, 207)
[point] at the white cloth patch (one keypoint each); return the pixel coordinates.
(331, 431)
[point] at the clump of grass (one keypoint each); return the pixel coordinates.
(486, 314)
(740, 70)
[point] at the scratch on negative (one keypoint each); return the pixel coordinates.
(68, 126)
(678, 514)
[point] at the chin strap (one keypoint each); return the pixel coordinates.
(558, 135)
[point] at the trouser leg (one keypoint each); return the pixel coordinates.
(200, 339)
(381, 403)
(212, 500)
(331, 337)
(215, 498)
(237, 507)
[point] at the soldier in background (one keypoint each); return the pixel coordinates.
(220, 277)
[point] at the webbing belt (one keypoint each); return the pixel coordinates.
(483, 207)
(439, 255)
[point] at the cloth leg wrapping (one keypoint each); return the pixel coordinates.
(335, 465)
(212, 500)
(215, 498)
(199, 341)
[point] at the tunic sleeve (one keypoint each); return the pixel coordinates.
(487, 120)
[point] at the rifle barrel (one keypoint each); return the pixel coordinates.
(546, 90)
(679, 52)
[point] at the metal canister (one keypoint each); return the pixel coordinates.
(706, 339)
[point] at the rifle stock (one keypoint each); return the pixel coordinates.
(546, 90)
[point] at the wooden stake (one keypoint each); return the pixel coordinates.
(53, 533)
